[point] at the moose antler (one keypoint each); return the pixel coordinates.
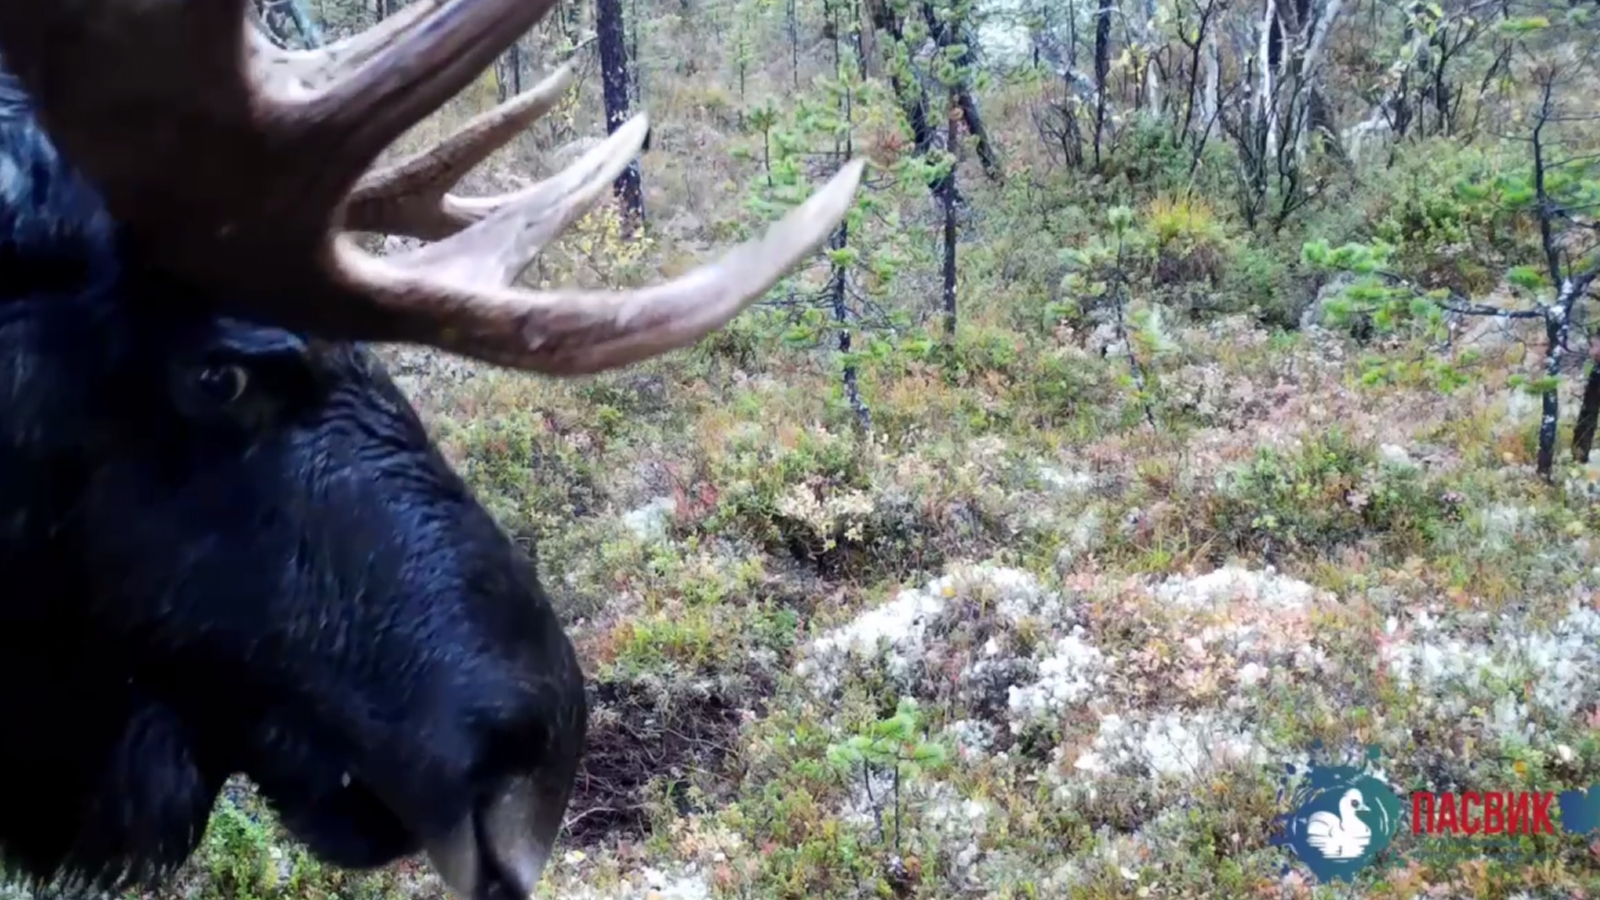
(236, 165)
(409, 198)
(309, 70)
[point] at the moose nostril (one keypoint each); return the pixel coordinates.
(455, 858)
(501, 889)
(515, 834)
(499, 850)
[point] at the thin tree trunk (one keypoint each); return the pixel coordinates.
(511, 71)
(1555, 332)
(841, 314)
(1102, 71)
(636, 73)
(1196, 50)
(1315, 31)
(1558, 317)
(948, 35)
(1151, 42)
(913, 101)
(612, 38)
(1211, 96)
(1266, 99)
(838, 284)
(792, 21)
(277, 15)
(1589, 410)
(950, 226)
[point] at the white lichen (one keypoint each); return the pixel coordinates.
(1394, 456)
(1065, 482)
(1234, 583)
(649, 522)
(894, 635)
(1558, 669)
(1168, 745)
(1071, 673)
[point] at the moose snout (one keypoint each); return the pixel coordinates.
(499, 849)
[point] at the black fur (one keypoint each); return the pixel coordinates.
(291, 584)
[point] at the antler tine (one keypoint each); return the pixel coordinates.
(411, 197)
(494, 252)
(377, 103)
(308, 70)
(570, 332)
(210, 172)
(238, 184)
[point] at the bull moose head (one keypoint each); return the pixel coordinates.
(227, 544)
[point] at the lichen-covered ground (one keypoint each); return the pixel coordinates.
(1018, 643)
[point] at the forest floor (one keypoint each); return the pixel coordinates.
(1115, 638)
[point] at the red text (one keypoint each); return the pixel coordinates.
(1486, 812)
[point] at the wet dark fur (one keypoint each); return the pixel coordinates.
(293, 585)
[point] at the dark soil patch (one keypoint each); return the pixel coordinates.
(640, 743)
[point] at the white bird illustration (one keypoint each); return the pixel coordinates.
(1344, 836)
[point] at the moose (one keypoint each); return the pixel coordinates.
(227, 543)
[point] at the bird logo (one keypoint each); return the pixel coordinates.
(1343, 836)
(1340, 819)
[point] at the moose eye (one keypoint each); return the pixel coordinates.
(221, 384)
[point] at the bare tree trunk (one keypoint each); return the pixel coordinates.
(950, 34)
(1198, 48)
(635, 72)
(1555, 332)
(612, 38)
(1414, 42)
(913, 100)
(1558, 317)
(511, 71)
(1102, 71)
(309, 32)
(1211, 96)
(838, 283)
(1315, 30)
(949, 198)
(1266, 98)
(841, 314)
(1589, 411)
(792, 22)
(1151, 41)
